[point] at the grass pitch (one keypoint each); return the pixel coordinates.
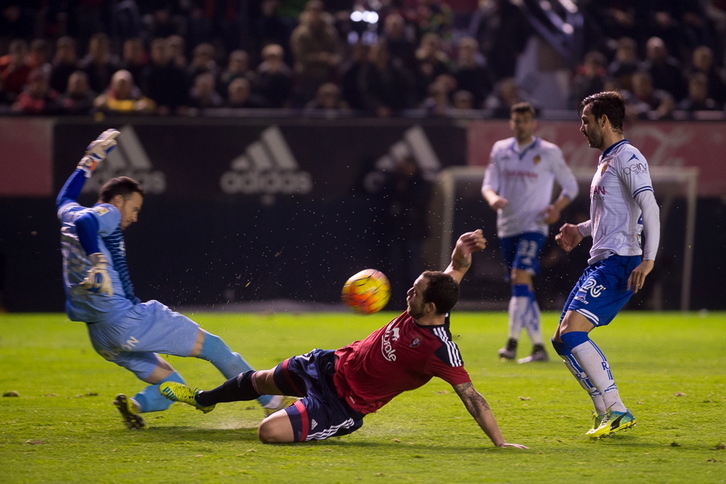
(670, 369)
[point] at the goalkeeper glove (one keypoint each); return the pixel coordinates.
(98, 150)
(97, 279)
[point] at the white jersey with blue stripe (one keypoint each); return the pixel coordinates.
(81, 304)
(526, 178)
(615, 216)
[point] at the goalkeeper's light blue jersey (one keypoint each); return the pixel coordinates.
(81, 304)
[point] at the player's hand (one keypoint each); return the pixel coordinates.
(637, 277)
(97, 279)
(98, 150)
(569, 237)
(472, 241)
(515, 446)
(550, 215)
(498, 202)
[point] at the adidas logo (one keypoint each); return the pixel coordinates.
(414, 144)
(267, 168)
(129, 159)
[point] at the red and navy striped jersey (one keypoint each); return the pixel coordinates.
(401, 356)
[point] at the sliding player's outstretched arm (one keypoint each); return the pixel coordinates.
(467, 244)
(479, 409)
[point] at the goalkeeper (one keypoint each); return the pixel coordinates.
(99, 292)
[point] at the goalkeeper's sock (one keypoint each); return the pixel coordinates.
(150, 398)
(239, 388)
(231, 364)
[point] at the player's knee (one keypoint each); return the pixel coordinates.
(273, 430)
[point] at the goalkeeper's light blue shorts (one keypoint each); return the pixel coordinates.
(147, 328)
(602, 290)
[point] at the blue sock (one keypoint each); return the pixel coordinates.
(574, 338)
(228, 362)
(150, 398)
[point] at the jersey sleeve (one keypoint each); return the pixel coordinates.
(564, 175)
(491, 175)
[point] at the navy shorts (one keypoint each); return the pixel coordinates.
(320, 413)
(522, 251)
(602, 290)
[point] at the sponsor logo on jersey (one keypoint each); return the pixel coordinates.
(128, 159)
(267, 168)
(597, 190)
(635, 169)
(519, 174)
(390, 335)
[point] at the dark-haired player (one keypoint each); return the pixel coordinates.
(339, 387)
(99, 292)
(622, 207)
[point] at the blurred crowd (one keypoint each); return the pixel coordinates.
(352, 57)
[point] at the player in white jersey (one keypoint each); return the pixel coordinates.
(99, 292)
(518, 184)
(622, 206)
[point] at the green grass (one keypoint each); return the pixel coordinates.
(670, 368)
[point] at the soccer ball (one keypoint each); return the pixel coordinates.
(367, 292)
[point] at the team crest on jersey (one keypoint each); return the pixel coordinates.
(100, 210)
(536, 159)
(416, 342)
(604, 167)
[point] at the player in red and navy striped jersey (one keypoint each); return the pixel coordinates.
(339, 387)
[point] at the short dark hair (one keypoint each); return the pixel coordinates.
(608, 103)
(523, 108)
(442, 290)
(121, 185)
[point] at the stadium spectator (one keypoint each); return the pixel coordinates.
(625, 234)
(203, 60)
(240, 95)
(164, 81)
(698, 98)
(14, 68)
(122, 96)
(625, 64)
(328, 100)
(589, 78)
(647, 102)
(100, 293)
(666, 71)
(238, 65)
(400, 39)
(37, 97)
(65, 63)
(438, 101)
(274, 78)
(78, 97)
(351, 75)
(519, 184)
(271, 27)
(39, 56)
(339, 387)
(702, 60)
(100, 64)
(203, 94)
(162, 21)
(177, 50)
(505, 95)
(134, 57)
(385, 85)
(463, 101)
(471, 72)
(316, 49)
(431, 62)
